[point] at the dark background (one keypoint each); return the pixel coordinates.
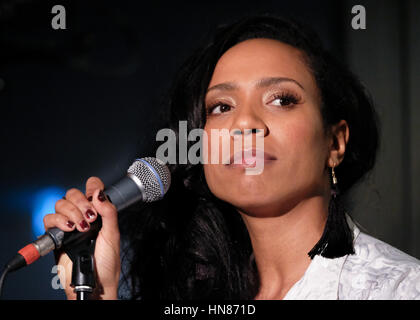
(86, 100)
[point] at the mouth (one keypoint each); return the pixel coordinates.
(250, 158)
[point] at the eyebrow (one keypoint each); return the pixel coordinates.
(262, 83)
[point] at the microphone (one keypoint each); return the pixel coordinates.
(147, 180)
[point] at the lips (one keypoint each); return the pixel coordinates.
(249, 158)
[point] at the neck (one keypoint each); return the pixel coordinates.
(281, 244)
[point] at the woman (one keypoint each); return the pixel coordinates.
(281, 234)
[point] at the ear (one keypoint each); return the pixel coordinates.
(339, 136)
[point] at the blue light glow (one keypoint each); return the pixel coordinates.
(43, 204)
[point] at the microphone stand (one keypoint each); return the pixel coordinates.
(81, 253)
(83, 272)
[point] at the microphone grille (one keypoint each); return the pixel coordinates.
(154, 176)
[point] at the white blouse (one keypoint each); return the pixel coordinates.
(377, 271)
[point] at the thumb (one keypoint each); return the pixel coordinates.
(108, 213)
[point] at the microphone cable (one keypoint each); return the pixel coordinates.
(3, 276)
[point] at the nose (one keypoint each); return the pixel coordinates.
(248, 121)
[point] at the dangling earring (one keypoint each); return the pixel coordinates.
(337, 238)
(334, 178)
(334, 187)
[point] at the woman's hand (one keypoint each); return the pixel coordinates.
(78, 210)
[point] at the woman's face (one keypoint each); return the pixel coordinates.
(265, 84)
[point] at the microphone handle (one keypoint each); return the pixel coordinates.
(122, 194)
(65, 239)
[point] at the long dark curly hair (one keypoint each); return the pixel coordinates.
(192, 245)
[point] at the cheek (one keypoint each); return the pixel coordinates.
(304, 146)
(300, 137)
(215, 181)
(217, 144)
(212, 170)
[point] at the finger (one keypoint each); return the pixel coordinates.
(92, 184)
(68, 209)
(108, 212)
(78, 198)
(58, 220)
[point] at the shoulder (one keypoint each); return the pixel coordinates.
(378, 270)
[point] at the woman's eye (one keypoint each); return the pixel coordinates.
(220, 108)
(285, 100)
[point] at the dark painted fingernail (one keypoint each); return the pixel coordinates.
(90, 214)
(90, 198)
(101, 196)
(70, 224)
(84, 225)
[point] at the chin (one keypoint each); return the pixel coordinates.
(248, 200)
(259, 200)
(247, 192)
